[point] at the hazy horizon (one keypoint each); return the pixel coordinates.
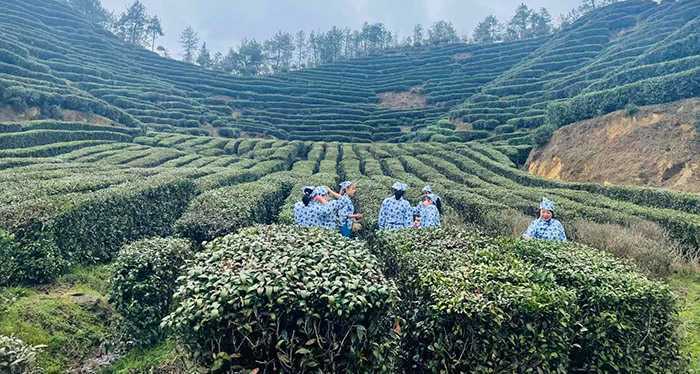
(223, 25)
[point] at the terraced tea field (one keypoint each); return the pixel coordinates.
(76, 193)
(146, 207)
(631, 52)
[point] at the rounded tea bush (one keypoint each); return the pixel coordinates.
(16, 357)
(282, 298)
(143, 283)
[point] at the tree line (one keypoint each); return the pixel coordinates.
(286, 51)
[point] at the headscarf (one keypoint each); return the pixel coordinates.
(547, 204)
(398, 186)
(319, 191)
(345, 185)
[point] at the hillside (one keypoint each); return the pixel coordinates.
(50, 57)
(146, 205)
(657, 146)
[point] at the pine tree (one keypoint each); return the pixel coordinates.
(540, 23)
(131, 25)
(418, 36)
(517, 28)
(189, 41)
(154, 30)
(93, 12)
(204, 58)
(301, 46)
(442, 32)
(488, 31)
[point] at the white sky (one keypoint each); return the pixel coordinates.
(223, 23)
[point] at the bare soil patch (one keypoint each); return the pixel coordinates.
(658, 147)
(462, 56)
(412, 99)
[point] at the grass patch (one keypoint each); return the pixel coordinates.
(161, 358)
(71, 318)
(687, 284)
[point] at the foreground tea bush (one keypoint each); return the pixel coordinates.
(143, 283)
(280, 298)
(626, 322)
(16, 357)
(474, 303)
(470, 307)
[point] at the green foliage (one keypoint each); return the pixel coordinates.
(142, 285)
(16, 357)
(535, 304)
(646, 92)
(227, 210)
(631, 110)
(458, 288)
(88, 228)
(281, 298)
(33, 262)
(612, 298)
(542, 135)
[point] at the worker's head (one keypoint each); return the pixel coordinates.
(399, 190)
(428, 199)
(308, 191)
(546, 209)
(348, 188)
(546, 214)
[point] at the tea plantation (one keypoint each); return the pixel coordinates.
(146, 207)
(631, 52)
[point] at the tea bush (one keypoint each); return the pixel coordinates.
(281, 298)
(625, 321)
(49, 232)
(143, 283)
(226, 210)
(16, 357)
(474, 303)
(471, 307)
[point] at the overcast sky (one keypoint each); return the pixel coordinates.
(223, 23)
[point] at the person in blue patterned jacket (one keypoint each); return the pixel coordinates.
(546, 227)
(428, 212)
(396, 212)
(303, 212)
(343, 207)
(322, 210)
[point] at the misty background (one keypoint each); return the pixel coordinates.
(225, 23)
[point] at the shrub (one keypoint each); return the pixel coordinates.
(631, 110)
(509, 222)
(580, 308)
(228, 132)
(16, 357)
(89, 228)
(281, 298)
(542, 135)
(644, 242)
(28, 263)
(625, 323)
(471, 307)
(226, 210)
(142, 285)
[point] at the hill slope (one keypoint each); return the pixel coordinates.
(657, 146)
(50, 58)
(629, 52)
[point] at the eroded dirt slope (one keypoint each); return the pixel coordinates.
(657, 146)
